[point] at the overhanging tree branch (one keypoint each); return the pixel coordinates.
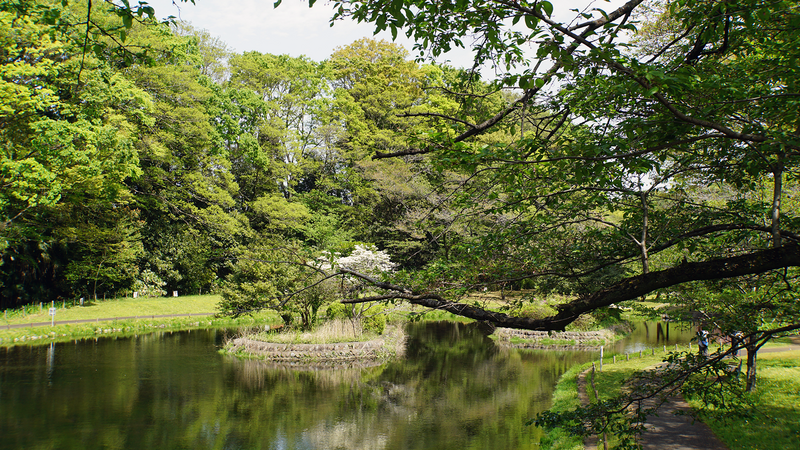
(627, 289)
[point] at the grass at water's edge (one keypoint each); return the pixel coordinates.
(565, 398)
(124, 307)
(774, 423)
(392, 344)
(118, 307)
(121, 328)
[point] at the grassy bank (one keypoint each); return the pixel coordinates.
(773, 424)
(143, 308)
(120, 307)
(565, 398)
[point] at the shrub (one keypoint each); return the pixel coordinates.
(149, 284)
(375, 323)
(338, 311)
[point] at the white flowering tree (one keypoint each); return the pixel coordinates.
(360, 269)
(367, 260)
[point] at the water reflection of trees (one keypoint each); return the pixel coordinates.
(454, 389)
(256, 374)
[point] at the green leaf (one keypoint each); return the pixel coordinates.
(277, 3)
(547, 7)
(531, 22)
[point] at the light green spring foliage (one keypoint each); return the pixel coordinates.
(61, 137)
(69, 124)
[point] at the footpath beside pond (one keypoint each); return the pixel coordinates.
(673, 428)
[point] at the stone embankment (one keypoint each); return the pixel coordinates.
(344, 351)
(387, 346)
(549, 340)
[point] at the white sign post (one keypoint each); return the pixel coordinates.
(52, 316)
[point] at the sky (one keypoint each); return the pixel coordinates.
(295, 29)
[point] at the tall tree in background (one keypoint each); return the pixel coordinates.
(647, 121)
(186, 189)
(66, 130)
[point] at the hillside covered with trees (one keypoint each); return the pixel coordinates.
(649, 150)
(148, 157)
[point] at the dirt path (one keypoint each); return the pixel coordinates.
(589, 443)
(668, 430)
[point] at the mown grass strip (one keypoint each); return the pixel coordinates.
(144, 308)
(120, 307)
(122, 328)
(775, 423)
(565, 398)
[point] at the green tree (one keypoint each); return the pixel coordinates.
(67, 122)
(378, 100)
(601, 187)
(671, 116)
(186, 189)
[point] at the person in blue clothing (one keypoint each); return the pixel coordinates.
(702, 341)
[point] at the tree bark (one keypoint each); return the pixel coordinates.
(628, 289)
(752, 352)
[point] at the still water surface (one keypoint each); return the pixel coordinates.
(454, 390)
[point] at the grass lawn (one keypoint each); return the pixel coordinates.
(775, 423)
(144, 308)
(122, 307)
(776, 420)
(565, 398)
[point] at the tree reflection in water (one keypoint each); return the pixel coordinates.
(453, 390)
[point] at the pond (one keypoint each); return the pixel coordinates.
(647, 335)
(454, 390)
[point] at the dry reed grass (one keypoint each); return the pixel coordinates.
(328, 333)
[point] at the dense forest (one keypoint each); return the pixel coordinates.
(166, 162)
(651, 150)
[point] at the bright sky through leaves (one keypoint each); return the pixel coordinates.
(295, 29)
